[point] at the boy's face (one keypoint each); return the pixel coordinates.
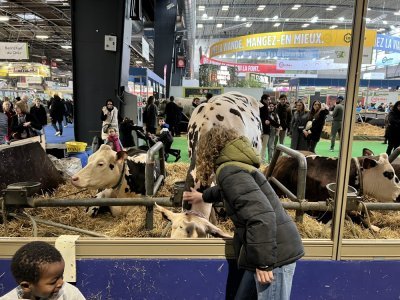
(111, 132)
(50, 282)
(161, 122)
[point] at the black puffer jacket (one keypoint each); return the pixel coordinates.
(265, 236)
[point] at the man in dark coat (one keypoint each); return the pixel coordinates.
(337, 117)
(285, 117)
(172, 114)
(39, 112)
(57, 111)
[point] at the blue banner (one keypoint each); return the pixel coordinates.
(387, 43)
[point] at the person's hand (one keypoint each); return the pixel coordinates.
(26, 124)
(305, 132)
(193, 196)
(323, 106)
(264, 277)
(104, 109)
(267, 122)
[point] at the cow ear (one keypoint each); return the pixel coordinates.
(166, 213)
(122, 156)
(369, 163)
(367, 152)
(215, 231)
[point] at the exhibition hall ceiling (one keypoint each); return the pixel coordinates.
(46, 24)
(224, 19)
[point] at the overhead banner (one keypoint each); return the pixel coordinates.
(13, 51)
(243, 68)
(289, 39)
(387, 43)
(383, 59)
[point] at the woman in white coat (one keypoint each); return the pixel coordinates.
(109, 116)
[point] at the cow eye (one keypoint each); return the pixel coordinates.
(100, 164)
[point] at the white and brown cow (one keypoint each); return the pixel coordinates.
(379, 180)
(120, 175)
(190, 225)
(232, 110)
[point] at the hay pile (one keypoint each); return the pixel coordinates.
(132, 225)
(360, 129)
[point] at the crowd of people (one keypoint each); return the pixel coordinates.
(26, 117)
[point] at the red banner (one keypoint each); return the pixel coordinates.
(242, 68)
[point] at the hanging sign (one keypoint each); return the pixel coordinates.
(289, 39)
(13, 50)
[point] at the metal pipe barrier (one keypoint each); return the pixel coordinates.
(325, 206)
(35, 220)
(394, 154)
(301, 176)
(151, 187)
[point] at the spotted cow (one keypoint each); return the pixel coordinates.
(190, 224)
(119, 174)
(232, 110)
(379, 180)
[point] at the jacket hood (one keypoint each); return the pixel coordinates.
(239, 150)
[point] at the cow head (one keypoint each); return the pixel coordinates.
(187, 225)
(379, 179)
(102, 171)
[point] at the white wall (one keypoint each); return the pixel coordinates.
(255, 92)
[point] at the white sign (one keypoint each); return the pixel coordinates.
(308, 65)
(22, 84)
(294, 75)
(145, 49)
(33, 80)
(382, 97)
(13, 50)
(341, 55)
(374, 76)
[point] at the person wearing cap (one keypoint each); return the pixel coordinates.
(337, 116)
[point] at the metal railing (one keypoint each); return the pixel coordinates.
(301, 176)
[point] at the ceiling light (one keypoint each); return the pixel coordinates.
(277, 24)
(296, 7)
(219, 25)
(341, 19)
(287, 20)
(328, 8)
(275, 17)
(384, 22)
(249, 24)
(266, 19)
(29, 17)
(199, 25)
(237, 17)
(204, 16)
(333, 26)
(4, 18)
(42, 36)
(261, 7)
(305, 25)
(66, 46)
(210, 17)
(138, 62)
(225, 7)
(244, 19)
(314, 19)
(58, 59)
(397, 13)
(202, 7)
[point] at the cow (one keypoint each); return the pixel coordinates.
(379, 180)
(232, 110)
(190, 224)
(119, 174)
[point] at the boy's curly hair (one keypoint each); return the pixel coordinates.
(27, 263)
(208, 150)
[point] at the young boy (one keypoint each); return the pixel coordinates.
(166, 138)
(38, 269)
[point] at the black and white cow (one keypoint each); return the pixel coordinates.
(379, 180)
(120, 175)
(232, 110)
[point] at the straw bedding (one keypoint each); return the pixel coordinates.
(132, 225)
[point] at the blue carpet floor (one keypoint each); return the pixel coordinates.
(68, 134)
